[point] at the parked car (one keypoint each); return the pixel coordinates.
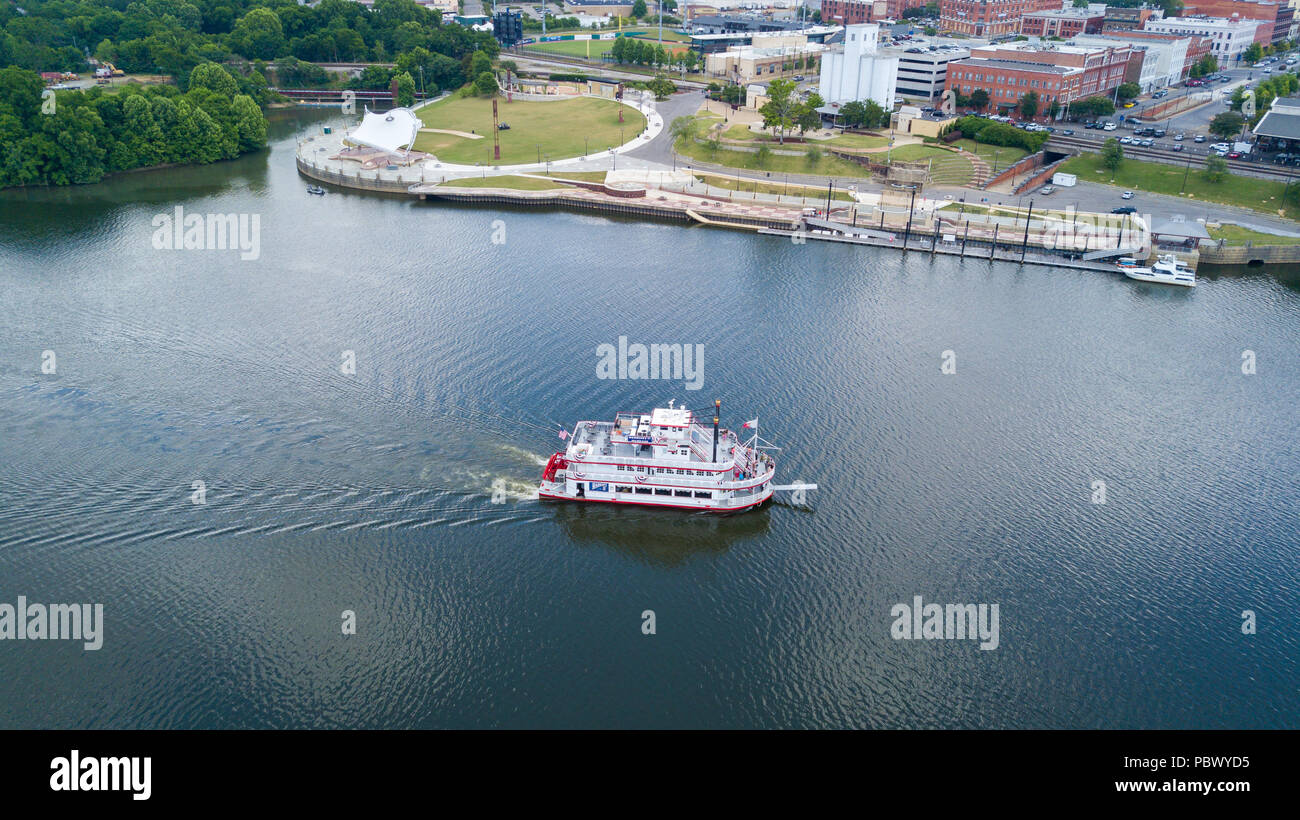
(1198, 138)
(1158, 133)
(1125, 140)
(1221, 146)
(1124, 209)
(1110, 126)
(1069, 132)
(1234, 155)
(1177, 147)
(1126, 195)
(1178, 137)
(1047, 190)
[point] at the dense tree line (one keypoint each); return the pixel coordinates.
(989, 132)
(69, 137)
(173, 36)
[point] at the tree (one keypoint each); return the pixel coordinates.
(1228, 124)
(779, 111)
(485, 85)
(1253, 53)
(639, 9)
(1216, 168)
(1029, 105)
(979, 99)
(406, 89)
(807, 116)
(813, 155)
(662, 88)
(1128, 91)
(258, 35)
(763, 156)
(685, 128)
(1112, 155)
(1054, 109)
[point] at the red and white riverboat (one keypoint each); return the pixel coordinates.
(665, 458)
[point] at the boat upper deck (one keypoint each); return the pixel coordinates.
(665, 437)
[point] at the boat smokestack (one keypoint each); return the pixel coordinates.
(717, 410)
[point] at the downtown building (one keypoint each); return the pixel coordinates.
(989, 18)
(1063, 23)
(1056, 73)
(852, 12)
(1229, 37)
(1166, 59)
(923, 72)
(1280, 14)
(1119, 18)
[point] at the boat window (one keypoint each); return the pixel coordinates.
(643, 491)
(623, 489)
(703, 494)
(663, 492)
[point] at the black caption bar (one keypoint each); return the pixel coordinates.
(140, 771)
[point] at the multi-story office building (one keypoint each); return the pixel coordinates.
(923, 72)
(1056, 73)
(1063, 23)
(1228, 37)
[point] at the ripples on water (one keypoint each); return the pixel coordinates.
(373, 492)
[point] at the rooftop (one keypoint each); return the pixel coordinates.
(1021, 65)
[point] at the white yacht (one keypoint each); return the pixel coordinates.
(665, 458)
(1166, 271)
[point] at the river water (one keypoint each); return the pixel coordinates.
(403, 492)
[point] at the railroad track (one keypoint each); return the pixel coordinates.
(1160, 152)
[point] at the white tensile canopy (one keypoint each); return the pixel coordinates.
(391, 131)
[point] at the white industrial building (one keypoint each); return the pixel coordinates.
(1231, 37)
(859, 71)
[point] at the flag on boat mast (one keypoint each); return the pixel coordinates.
(750, 424)
(564, 434)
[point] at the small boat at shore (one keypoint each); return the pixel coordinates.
(1166, 271)
(665, 458)
(315, 189)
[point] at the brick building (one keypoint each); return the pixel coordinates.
(1126, 19)
(852, 12)
(1056, 73)
(1063, 23)
(989, 18)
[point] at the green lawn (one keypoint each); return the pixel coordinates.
(559, 126)
(1245, 192)
(856, 141)
(506, 181)
(584, 176)
(747, 186)
(575, 48)
(827, 165)
(1237, 235)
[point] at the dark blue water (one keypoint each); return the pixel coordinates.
(372, 491)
